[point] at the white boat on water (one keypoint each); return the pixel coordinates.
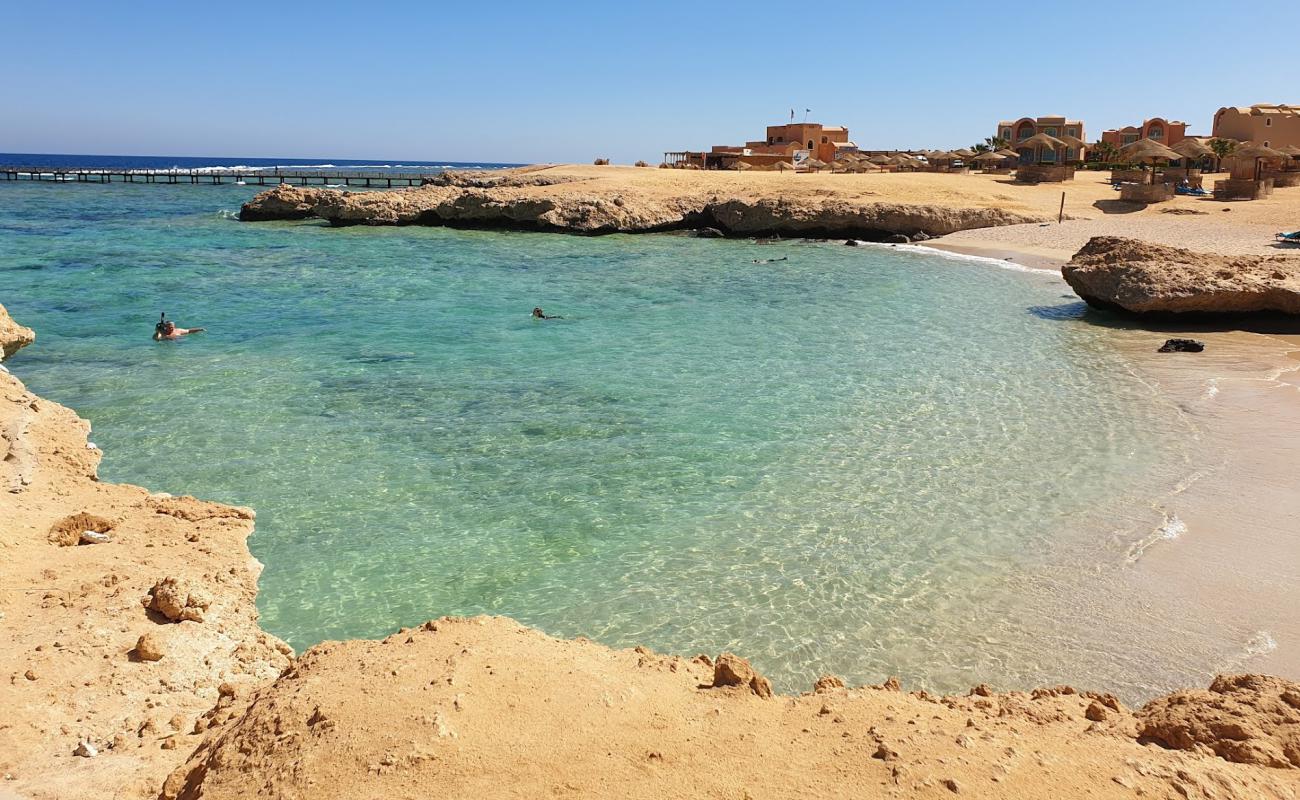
(240, 182)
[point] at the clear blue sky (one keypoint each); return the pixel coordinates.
(517, 81)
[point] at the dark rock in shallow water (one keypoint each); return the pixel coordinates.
(1181, 346)
(899, 238)
(920, 236)
(709, 233)
(853, 243)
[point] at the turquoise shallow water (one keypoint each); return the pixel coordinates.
(860, 460)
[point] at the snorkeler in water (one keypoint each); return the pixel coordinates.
(166, 329)
(539, 314)
(771, 260)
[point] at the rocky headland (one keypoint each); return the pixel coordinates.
(136, 668)
(1139, 277)
(592, 205)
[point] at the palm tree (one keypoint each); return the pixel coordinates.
(1106, 152)
(1222, 149)
(996, 142)
(980, 148)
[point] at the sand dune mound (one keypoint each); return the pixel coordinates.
(1142, 278)
(486, 707)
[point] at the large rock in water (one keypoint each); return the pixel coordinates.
(282, 202)
(13, 337)
(1130, 275)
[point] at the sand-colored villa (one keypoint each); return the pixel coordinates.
(1270, 125)
(1021, 129)
(783, 143)
(1157, 129)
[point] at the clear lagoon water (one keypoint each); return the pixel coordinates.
(866, 461)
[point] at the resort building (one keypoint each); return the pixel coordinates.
(1270, 125)
(1166, 132)
(790, 143)
(1014, 131)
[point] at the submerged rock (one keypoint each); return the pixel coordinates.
(1129, 275)
(1181, 346)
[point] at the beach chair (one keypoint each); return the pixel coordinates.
(1288, 238)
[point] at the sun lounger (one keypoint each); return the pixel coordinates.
(1288, 238)
(1194, 192)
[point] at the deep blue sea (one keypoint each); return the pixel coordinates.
(48, 160)
(864, 461)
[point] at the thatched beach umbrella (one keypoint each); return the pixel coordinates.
(988, 158)
(880, 159)
(1040, 140)
(1192, 150)
(742, 166)
(1255, 152)
(1008, 152)
(815, 164)
(785, 166)
(965, 153)
(1146, 148)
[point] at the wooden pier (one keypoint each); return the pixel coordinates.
(254, 177)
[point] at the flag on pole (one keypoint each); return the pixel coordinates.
(792, 115)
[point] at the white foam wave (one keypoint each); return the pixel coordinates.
(950, 255)
(1211, 389)
(1171, 528)
(1262, 643)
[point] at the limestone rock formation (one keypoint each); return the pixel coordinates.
(568, 205)
(13, 337)
(282, 202)
(178, 600)
(1129, 275)
(72, 620)
(731, 670)
(1249, 719)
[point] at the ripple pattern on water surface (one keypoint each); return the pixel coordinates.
(860, 460)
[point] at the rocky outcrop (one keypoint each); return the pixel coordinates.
(1134, 276)
(13, 337)
(101, 690)
(283, 202)
(575, 207)
(1249, 719)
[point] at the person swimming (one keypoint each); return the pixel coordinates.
(166, 329)
(539, 314)
(771, 260)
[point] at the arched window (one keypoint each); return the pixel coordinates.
(824, 140)
(1156, 132)
(1025, 131)
(810, 144)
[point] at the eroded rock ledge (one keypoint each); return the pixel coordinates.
(575, 206)
(13, 337)
(135, 655)
(1141, 278)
